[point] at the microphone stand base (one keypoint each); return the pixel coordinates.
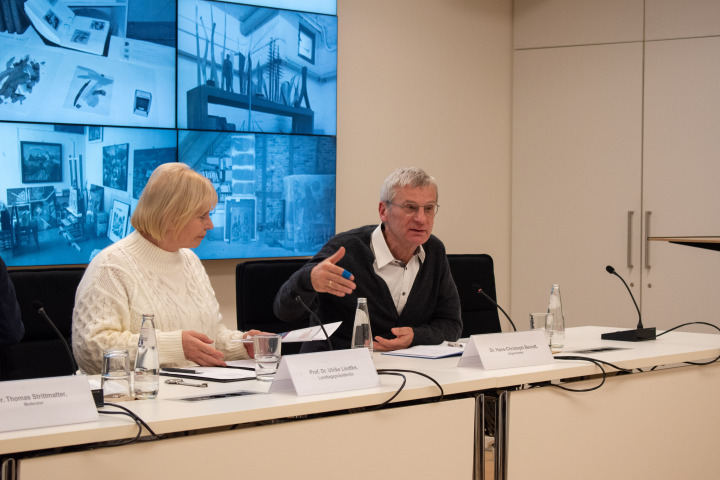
(637, 335)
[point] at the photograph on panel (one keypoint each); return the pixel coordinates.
(255, 69)
(276, 193)
(101, 62)
(68, 191)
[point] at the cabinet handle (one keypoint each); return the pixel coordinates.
(647, 238)
(629, 238)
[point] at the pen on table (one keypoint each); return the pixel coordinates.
(180, 370)
(252, 369)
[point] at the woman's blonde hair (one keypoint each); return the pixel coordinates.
(173, 195)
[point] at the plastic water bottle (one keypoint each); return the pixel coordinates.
(147, 365)
(362, 335)
(556, 320)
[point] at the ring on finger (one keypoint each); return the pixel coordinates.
(330, 284)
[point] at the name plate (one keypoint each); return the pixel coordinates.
(507, 350)
(45, 402)
(326, 372)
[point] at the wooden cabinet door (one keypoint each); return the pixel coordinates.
(577, 130)
(681, 179)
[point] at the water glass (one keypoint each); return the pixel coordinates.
(115, 376)
(538, 321)
(267, 355)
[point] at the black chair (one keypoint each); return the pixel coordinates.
(41, 353)
(470, 272)
(256, 284)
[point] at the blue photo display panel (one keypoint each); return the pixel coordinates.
(93, 98)
(255, 69)
(128, 80)
(80, 196)
(276, 193)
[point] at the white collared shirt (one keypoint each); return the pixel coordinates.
(398, 276)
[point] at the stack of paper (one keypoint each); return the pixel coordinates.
(428, 351)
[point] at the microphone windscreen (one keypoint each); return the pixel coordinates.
(36, 305)
(610, 269)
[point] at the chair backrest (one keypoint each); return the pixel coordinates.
(256, 284)
(40, 353)
(470, 272)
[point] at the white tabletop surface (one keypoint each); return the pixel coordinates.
(166, 414)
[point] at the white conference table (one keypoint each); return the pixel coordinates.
(339, 436)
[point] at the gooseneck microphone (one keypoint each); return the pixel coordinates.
(640, 333)
(316, 319)
(480, 291)
(38, 307)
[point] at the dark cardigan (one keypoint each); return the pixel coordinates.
(432, 308)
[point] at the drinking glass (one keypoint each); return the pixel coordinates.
(538, 321)
(115, 376)
(267, 355)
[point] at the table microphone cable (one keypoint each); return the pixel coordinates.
(598, 363)
(694, 323)
(399, 372)
(138, 421)
(623, 370)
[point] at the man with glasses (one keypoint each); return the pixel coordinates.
(399, 266)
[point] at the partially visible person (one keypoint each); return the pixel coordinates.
(12, 329)
(153, 271)
(399, 266)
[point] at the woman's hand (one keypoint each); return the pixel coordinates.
(249, 346)
(198, 349)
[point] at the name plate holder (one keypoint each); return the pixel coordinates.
(326, 372)
(46, 402)
(507, 350)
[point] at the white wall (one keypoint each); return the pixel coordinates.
(422, 83)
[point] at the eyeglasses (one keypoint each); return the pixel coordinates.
(411, 209)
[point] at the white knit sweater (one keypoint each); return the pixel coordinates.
(133, 277)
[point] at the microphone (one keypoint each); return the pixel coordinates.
(640, 333)
(480, 291)
(38, 307)
(316, 318)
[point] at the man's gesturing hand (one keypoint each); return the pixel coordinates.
(403, 338)
(327, 277)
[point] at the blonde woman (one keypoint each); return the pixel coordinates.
(153, 270)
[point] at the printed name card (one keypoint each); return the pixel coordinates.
(506, 350)
(326, 372)
(45, 402)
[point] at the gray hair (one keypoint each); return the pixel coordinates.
(413, 177)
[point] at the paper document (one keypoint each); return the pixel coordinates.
(428, 351)
(302, 334)
(310, 333)
(237, 370)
